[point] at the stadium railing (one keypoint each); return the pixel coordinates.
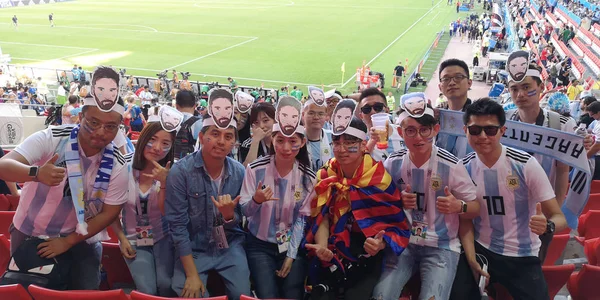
(417, 70)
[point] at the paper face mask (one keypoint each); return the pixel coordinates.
(287, 115)
(170, 118)
(517, 65)
(105, 88)
(342, 115)
(243, 101)
(220, 107)
(317, 95)
(414, 104)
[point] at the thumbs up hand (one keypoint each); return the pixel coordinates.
(409, 200)
(448, 204)
(538, 222)
(375, 244)
(49, 174)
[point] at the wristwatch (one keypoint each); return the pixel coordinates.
(550, 227)
(33, 172)
(463, 207)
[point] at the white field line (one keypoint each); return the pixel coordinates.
(136, 30)
(395, 40)
(45, 45)
(130, 25)
(240, 5)
(211, 54)
(428, 23)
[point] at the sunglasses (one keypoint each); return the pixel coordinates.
(377, 107)
(489, 130)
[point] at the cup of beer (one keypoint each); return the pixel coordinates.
(381, 122)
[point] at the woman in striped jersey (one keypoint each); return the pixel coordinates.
(273, 199)
(143, 237)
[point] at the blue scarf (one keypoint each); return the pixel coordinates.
(86, 209)
(559, 145)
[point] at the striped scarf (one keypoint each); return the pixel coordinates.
(370, 196)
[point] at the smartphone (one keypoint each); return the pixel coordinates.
(482, 282)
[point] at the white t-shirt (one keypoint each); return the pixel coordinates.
(42, 210)
(508, 193)
(444, 169)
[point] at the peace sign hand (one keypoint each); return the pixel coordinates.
(159, 173)
(262, 195)
(225, 206)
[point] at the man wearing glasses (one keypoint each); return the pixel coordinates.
(372, 101)
(313, 118)
(517, 202)
(454, 84)
(75, 183)
(437, 193)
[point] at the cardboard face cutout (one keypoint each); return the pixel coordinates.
(317, 95)
(170, 118)
(517, 65)
(342, 115)
(220, 107)
(105, 88)
(288, 115)
(414, 104)
(243, 101)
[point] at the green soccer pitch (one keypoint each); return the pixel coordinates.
(275, 42)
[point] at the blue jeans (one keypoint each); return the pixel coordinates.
(264, 259)
(230, 263)
(85, 270)
(152, 268)
(437, 267)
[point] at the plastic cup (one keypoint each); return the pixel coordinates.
(381, 122)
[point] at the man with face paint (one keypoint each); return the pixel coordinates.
(220, 104)
(437, 193)
(204, 215)
(314, 117)
(454, 84)
(47, 207)
(288, 114)
(372, 101)
(353, 194)
(185, 142)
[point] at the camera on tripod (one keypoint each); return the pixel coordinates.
(122, 72)
(185, 75)
(162, 75)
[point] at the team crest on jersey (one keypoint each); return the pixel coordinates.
(512, 182)
(436, 183)
(297, 194)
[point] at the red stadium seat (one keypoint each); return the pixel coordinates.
(112, 235)
(114, 265)
(135, 295)
(595, 187)
(4, 203)
(584, 284)
(590, 248)
(14, 201)
(4, 253)
(6, 218)
(46, 294)
(589, 225)
(593, 203)
(556, 277)
(556, 248)
(14, 292)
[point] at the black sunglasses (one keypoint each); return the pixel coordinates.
(377, 107)
(489, 130)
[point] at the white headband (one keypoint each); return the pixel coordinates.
(211, 122)
(530, 72)
(116, 108)
(428, 111)
(353, 132)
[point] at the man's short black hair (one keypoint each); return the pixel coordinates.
(73, 99)
(185, 99)
(485, 107)
(373, 92)
(589, 100)
(594, 107)
(453, 62)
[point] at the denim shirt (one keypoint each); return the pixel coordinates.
(188, 206)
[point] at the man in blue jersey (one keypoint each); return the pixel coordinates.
(437, 194)
(517, 205)
(319, 139)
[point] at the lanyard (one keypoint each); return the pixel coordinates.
(427, 181)
(279, 204)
